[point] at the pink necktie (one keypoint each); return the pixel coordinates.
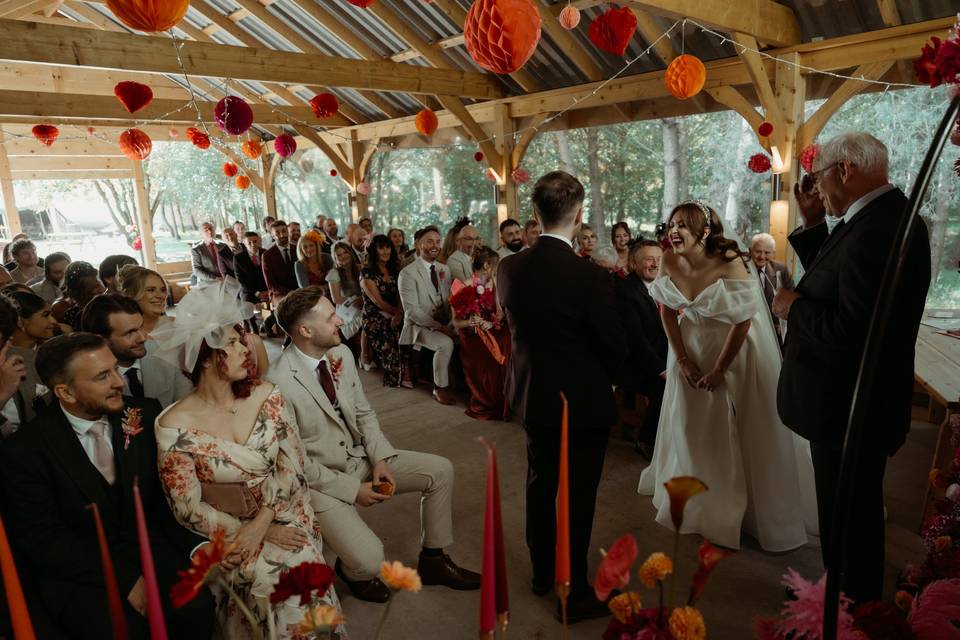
(102, 454)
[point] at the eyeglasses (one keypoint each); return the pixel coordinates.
(815, 175)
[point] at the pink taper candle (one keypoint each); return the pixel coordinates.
(158, 628)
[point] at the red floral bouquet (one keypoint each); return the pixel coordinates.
(476, 301)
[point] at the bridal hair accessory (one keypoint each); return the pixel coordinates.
(704, 209)
(204, 314)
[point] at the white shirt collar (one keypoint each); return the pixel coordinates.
(861, 203)
(426, 265)
(558, 237)
(310, 361)
(81, 425)
(135, 365)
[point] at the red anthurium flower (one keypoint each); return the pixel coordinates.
(709, 557)
(681, 489)
(614, 571)
(302, 580)
(201, 570)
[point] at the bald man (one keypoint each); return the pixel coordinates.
(460, 261)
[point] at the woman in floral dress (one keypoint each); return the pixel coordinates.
(382, 312)
(230, 459)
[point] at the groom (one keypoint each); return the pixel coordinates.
(559, 347)
(828, 318)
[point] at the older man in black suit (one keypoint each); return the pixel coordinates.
(828, 319)
(561, 347)
(773, 275)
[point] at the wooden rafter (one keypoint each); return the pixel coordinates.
(73, 175)
(531, 129)
(460, 112)
(15, 9)
(732, 97)
(754, 64)
(569, 45)
(337, 158)
(52, 8)
(66, 163)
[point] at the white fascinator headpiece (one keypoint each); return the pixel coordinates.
(204, 314)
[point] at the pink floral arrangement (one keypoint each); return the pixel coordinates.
(939, 60)
(474, 300)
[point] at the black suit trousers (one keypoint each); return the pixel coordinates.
(864, 546)
(587, 449)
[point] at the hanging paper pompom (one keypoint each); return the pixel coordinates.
(426, 122)
(765, 129)
(135, 144)
(242, 182)
(808, 155)
(612, 31)
(91, 131)
(501, 35)
(230, 169)
(252, 149)
(363, 4)
(759, 163)
(45, 133)
(285, 145)
(137, 244)
(569, 17)
(333, 173)
(198, 138)
(324, 105)
(233, 115)
(685, 77)
(149, 15)
(520, 175)
(478, 156)
(490, 175)
(133, 95)
(363, 189)
(174, 133)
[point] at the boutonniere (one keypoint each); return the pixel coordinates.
(131, 424)
(336, 368)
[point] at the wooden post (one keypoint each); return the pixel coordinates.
(359, 203)
(507, 202)
(269, 185)
(11, 215)
(143, 216)
(791, 94)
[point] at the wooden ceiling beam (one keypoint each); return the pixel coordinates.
(75, 133)
(48, 44)
(767, 21)
(66, 163)
(82, 81)
(31, 148)
(569, 45)
(16, 9)
(73, 175)
(453, 105)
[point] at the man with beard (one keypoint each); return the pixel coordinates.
(511, 237)
(293, 230)
(117, 318)
(330, 230)
(90, 447)
(53, 269)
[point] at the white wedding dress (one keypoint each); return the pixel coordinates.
(759, 474)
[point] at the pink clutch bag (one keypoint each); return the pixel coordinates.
(234, 498)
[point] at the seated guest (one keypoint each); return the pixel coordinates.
(531, 231)
(330, 230)
(110, 267)
(294, 234)
(229, 249)
(249, 268)
(318, 223)
(24, 254)
(460, 261)
(382, 313)
(149, 290)
(511, 238)
(312, 264)
(484, 373)
(88, 447)
(35, 325)
(364, 469)
(118, 319)
(53, 269)
(240, 229)
(17, 370)
(448, 245)
(80, 284)
(278, 261)
(344, 281)
(367, 225)
(620, 237)
(15, 287)
(267, 235)
(587, 241)
(358, 239)
(8, 261)
(644, 370)
(772, 274)
(399, 240)
(424, 290)
(205, 255)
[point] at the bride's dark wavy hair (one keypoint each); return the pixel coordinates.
(241, 388)
(696, 217)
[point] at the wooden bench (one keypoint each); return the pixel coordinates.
(178, 272)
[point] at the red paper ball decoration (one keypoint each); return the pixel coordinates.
(325, 105)
(759, 163)
(230, 169)
(149, 15)
(569, 17)
(233, 115)
(612, 31)
(363, 4)
(135, 144)
(242, 182)
(765, 129)
(520, 175)
(137, 244)
(285, 145)
(426, 122)
(501, 35)
(364, 189)
(173, 133)
(133, 95)
(333, 173)
(478, 156)
(45, 133)
(808, 155)
(685, 76)
(198, 138)
(252, 149)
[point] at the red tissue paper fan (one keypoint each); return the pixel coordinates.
(612, 31)
(133, 95)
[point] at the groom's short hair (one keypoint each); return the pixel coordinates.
(556, 198)
(295, 305)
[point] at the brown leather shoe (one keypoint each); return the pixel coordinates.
(367, 590)
(442, 571)
(441, 395)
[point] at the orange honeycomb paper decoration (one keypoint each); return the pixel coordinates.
(252, 149)
(685, 76)
(501, 35)
(230, 169)
(569, 17)
(324, 105)
(149, 15)
(426, 122)
(45, 133)
(243, 182)
(135, 144)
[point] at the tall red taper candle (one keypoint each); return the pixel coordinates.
(503, 591)
(488, 578)
(117, 617)
(158, 627)
(19, 614)
(562, 565)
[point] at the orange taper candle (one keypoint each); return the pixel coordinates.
(117, 617)
(19, 615)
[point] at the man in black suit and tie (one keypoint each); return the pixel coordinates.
(88, 447)
(278, 261)
(561, 347)
(828, 318)
(207, 265)
(644, 370)
(772, 274)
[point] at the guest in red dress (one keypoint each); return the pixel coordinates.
(484, 338)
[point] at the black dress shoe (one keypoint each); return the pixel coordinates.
(583, 607)
(440, 569)
(367, 590)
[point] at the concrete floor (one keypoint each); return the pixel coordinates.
(743, 586)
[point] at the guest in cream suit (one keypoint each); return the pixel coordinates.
(460, 261)
(424, 291)
(349, 460)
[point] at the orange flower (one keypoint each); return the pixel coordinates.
(686, 623)
(625, 605)
(681, 489)
(904, 600)
(709, 557)
(202, 570)
(323, 618)
(654, 569)
(943, 543)
(398, 577)
(315, 236)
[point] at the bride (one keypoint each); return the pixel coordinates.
(230, 458)
(719, 418)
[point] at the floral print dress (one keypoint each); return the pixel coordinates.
(271, 463)
(383, 336)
